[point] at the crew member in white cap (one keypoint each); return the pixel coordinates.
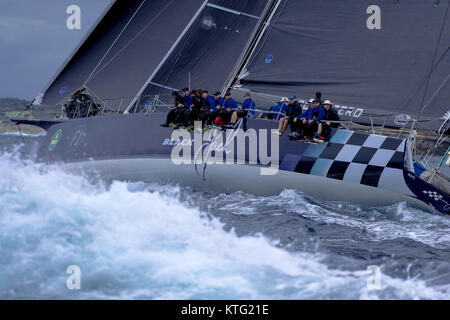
(323, 129)
(278, 111)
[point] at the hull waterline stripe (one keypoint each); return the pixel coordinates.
(166, 56)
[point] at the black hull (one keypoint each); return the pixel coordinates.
(351, 161)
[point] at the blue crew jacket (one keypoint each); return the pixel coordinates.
(307, 115)
(249, 106)
(209, 103)
(187, 101)
(229, 104)
(277, 115)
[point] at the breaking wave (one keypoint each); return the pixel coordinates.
(146, 241)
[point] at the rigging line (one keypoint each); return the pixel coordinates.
(133, 39)
(410, 96)
(93, 93)
(239, 68)
(239, 13)
(433, 61)
(114, 42)
(92, 75)
(168, 54)
(436, 92)
(179, 55)
(265, 35)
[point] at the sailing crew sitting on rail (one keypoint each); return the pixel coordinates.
(294, 109)
(246, 110)
(175, 110)
(226, 111)
(209, 109)
(277, 111)
(312, 125)
(324, 127)
(302, 121)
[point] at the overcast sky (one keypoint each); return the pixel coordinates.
(35, 41)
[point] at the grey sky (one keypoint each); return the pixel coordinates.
(35, 41)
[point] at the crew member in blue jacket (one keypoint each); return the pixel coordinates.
(209, 109)
(246, 110)
(277, 111)
(248, 106)
(219, 100)
(182, 115)
(318, 115)
(187, 98)
(225, 113)
(229, 105)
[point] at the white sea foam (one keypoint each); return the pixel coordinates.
(396, 221)
(131, 242)
(18, 134)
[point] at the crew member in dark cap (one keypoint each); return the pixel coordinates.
(196, 108)
(219, 99)
(209, 113)
(318, 100)
(187, 98)
(183, 117)
(224, 115)
(175, 110)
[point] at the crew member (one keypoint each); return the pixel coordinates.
(209, 109)
(175, 110)
(277, 111)
(294, 110)
(224, 116)
(302, 121)
(312, 124)
(324, 127)
(246, 110)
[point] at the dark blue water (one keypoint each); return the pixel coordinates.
(150, 241)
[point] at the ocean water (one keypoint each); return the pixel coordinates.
(149, 241)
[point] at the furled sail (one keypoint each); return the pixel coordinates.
(377, 57)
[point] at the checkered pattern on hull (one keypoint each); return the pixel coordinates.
(367, 159)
